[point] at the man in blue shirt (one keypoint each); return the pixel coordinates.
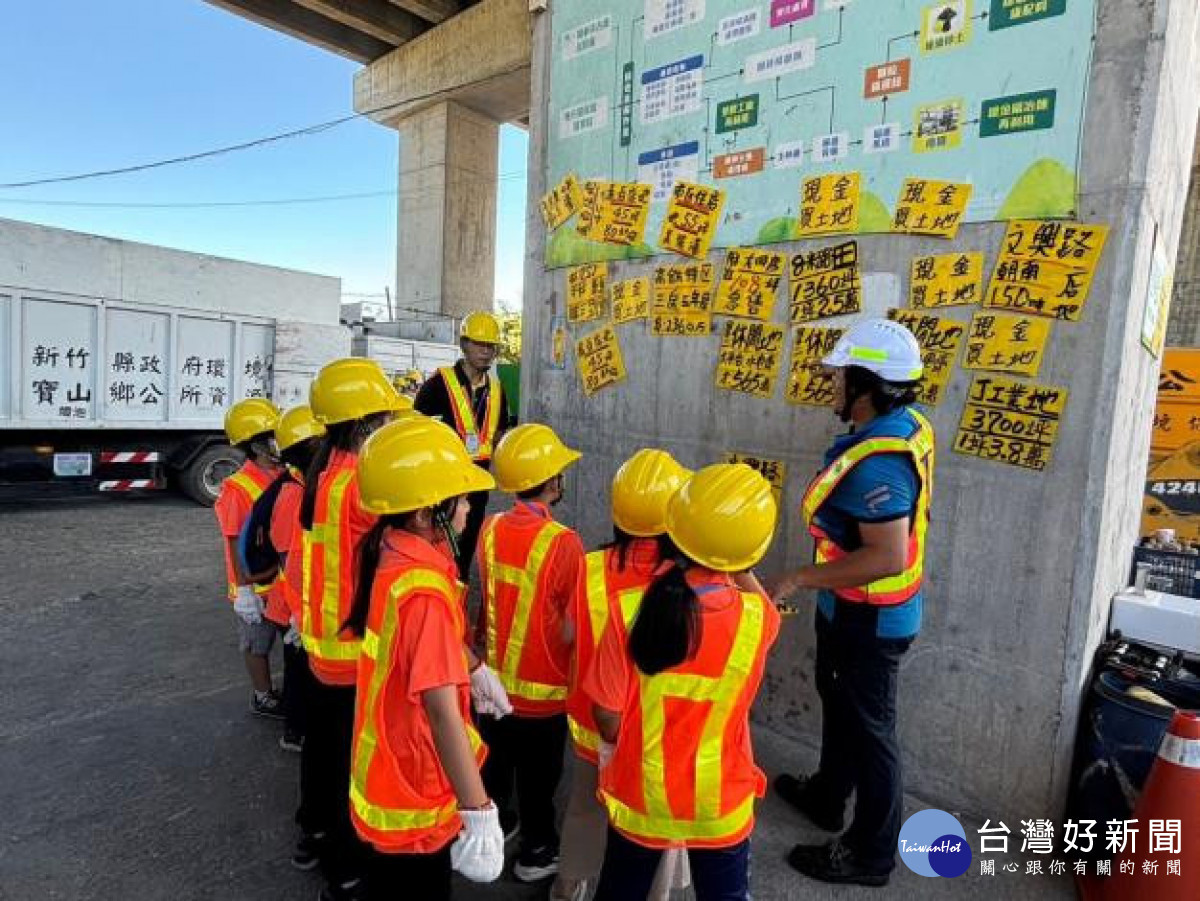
(867, 510)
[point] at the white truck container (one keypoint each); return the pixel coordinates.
(119, 360)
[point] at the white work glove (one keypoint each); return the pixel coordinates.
(605, 753)
(488, 694)
(248, 605)
(478, 852)
(291, 636)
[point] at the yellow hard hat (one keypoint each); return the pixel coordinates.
(407, 381)
(480, 327)
(295, 425)
(353, 388)
(250, 417)
(641, 490)
(723, 517)
(415, 463)
(529, 455)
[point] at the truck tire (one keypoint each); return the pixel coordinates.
(201, 481)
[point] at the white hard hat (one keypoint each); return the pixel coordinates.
(881, 346)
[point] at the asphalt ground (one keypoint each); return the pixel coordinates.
(131, 768)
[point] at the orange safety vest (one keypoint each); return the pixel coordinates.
(252, 486)
(328, 567)
(681, 771)
(391, 809)
(514, 605)
(478, 437)
(606, 609)
(919, 445)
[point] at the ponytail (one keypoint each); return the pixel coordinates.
(367, 565)
(339, 436)
(300, 456)
(668, 628)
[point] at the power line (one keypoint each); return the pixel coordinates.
(232, 148)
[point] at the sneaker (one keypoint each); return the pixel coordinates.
(308, 851)
(569, 891)
(269, 705)
(291, 741)
(351, 890)
(510, 823)
(835, 863)
(798, 791)
(536, 865)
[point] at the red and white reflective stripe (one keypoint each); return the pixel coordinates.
(130, 457)
(1180, 751)
(130, 484)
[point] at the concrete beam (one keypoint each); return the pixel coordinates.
(378, 18)
(308, 26)
(434, 11)
(480, 62)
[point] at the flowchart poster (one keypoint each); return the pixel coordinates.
(755, 97)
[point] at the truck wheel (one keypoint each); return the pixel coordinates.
(201, 481)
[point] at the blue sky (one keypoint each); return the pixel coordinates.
(87, 85)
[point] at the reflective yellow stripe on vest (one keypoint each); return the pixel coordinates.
(526, 582)
(597, 602)
(327, 534)
(253, 491)
(721, 692)
(377, 647)
(465, 413)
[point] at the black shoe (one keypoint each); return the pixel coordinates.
(291, 741)
(351, 890)
(536, 865)
(269, 705)
(835, 863)
(510, 824)
(308, 851)
(798, 791)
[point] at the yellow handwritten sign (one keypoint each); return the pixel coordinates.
(631, 299)
(692, 218)
(946, 280)
(614, 212)
(749, 357)
(774, 471)
(829, 204)
(1002, 342)
(930, 207)
(682, 301)
(826, 283)
(749, 283)
(1011, 422)
(809, 383)
(939, 339)
(600, 361)
(562, 202)
(587, 292)
(1046, 268)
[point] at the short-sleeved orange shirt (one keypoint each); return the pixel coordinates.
(285, 534)
(233, 508)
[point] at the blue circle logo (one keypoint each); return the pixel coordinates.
(933, 843)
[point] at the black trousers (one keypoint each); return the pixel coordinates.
(857, 676)
(296, 676)
(325, 779)
(526, 752)
(470, 533)
(399, 877)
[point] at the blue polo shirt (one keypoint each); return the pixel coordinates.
(881, 488)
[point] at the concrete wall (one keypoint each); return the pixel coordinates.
(1021, 565)
(67, 262)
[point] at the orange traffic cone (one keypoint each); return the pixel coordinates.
(1166, 865)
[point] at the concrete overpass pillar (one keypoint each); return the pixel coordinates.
(446, 239)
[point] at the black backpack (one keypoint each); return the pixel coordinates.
(260, 558)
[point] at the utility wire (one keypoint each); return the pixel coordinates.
(233, 148)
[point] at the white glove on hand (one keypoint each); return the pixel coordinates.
(605, 753)
(291, 636)
(248, 605)
(478, 852)
(488, 693)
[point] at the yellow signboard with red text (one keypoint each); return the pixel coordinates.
(1172, 498)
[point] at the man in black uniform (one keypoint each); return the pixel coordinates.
(469, 398)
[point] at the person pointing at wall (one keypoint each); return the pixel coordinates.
(868, 511)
